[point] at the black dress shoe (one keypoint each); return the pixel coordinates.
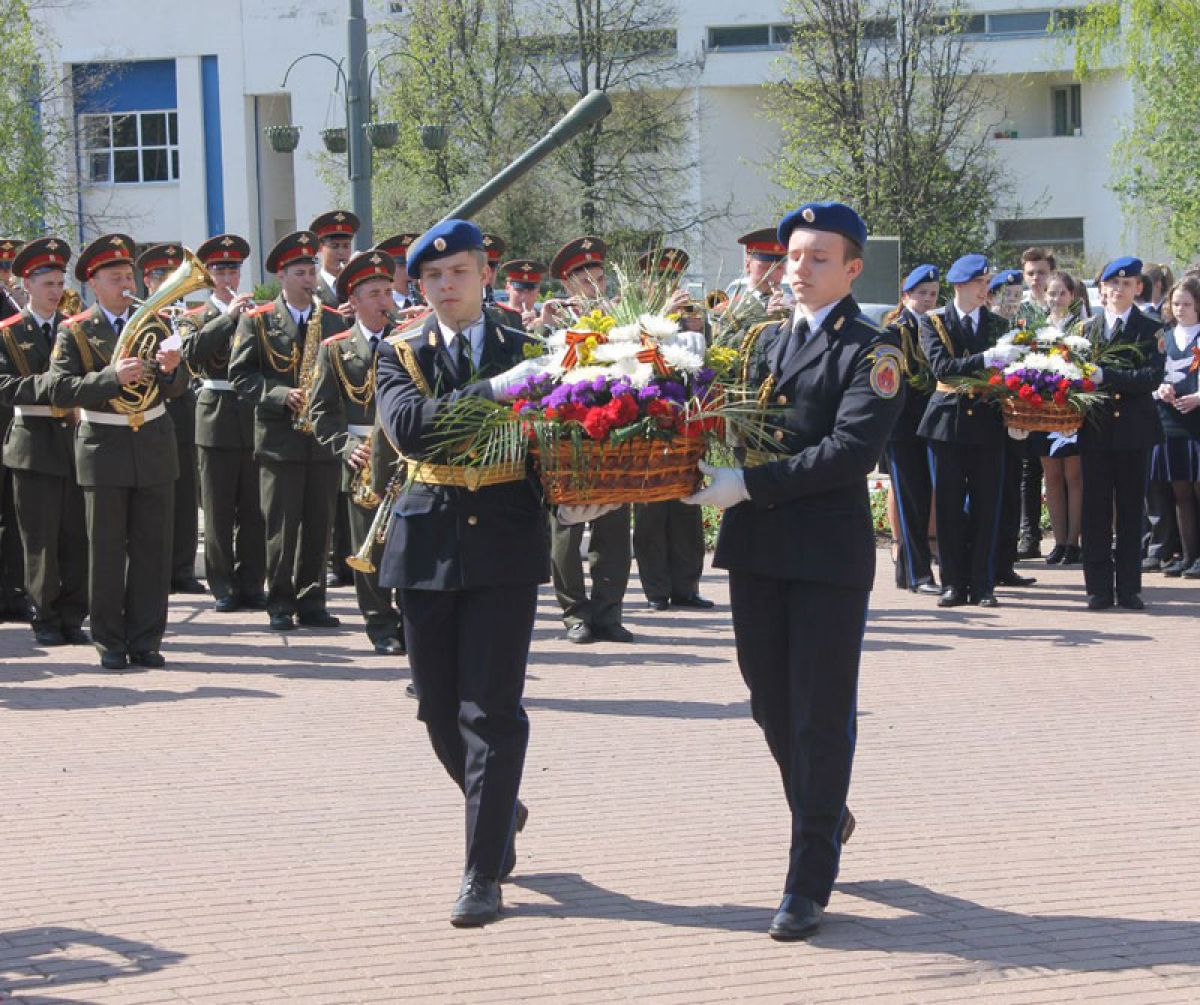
(410, 691)
(951, 598)
(1031, 550)
(1192, 571)
(332, 580)
(478, 902)
(522, 816)
(1151, 564)
(695, 601)
(151, 659)
(114, 659)
(798, 917)
(1173, 570)
(282, 622)
(1131, 601)
(389, 647)
(1010, 578)
(1074, 555)
(988, 600)
(319, 619)
(49, 636)
(658, 603)
(848, 825)
(226, 605)
(187, 585)
(1099, 601)
(928, 589)
(580, 633)
(76, 636)
(612, 633)
(255, 601)
(1057, 554)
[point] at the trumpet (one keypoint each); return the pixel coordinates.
(362, 493)
(377, 533)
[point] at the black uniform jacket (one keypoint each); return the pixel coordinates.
(448, 537)
(223, 418)
(268, 353)
(82, 376)
(907, 327)
(809, 514)
(32, 443)
(951, 417)
(1127, 419)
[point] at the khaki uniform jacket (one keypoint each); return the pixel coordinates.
(223, 418)
(32, 443)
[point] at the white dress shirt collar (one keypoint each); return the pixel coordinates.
(814, 318)
(1110, 320)
(220, 304)
(41, 320)
(112, 318)
(973, 315)
(472, 334)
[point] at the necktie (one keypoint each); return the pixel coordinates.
(47, 331)
(118, 325)
(797, 338)
(374, 340)
(1117, 328)
(968, 326)
(303, 320)
(462, 345)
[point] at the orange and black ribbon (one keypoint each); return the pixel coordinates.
(575, 339)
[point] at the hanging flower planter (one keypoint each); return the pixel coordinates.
(433, 137)
(334, 140)
(283, 139)
(382, 135)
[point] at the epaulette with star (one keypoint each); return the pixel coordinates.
(332, 310)
(12, 320)
(76, 317)
(336, 338)
(261, 309)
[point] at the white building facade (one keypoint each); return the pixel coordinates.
(171, 146)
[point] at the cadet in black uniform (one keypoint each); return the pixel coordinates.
(14, 604)
(39, 451)
(799, 543)
(1116, 440)
(235, 549)
(966, 435)
(467, 562)
(907, 453)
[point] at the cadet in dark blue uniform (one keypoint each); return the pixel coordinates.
(1116, 440)
(966, 435)
(907, 453)
(467, 561)
(798, 540)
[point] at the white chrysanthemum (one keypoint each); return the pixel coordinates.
(1008, 338)
(1047, 336)
(611, 352)
(657, 326)
(679, 358)
(625, 333)
(1077, 343)
(1046, 363)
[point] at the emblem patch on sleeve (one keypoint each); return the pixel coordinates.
(885, 376)
(1162, 342)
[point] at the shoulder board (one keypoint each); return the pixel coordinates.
(939, 311)
(332, 310)
(75, 317)
(262, 309)
(862, 319)
(336, 338)
(12, 320)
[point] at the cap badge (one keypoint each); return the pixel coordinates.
(808, 215)
(439, 244)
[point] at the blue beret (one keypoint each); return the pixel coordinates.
(921, 274)
(1009, 277)
(967, 268)
(1121, 267)
(446, 238)
(834, 217)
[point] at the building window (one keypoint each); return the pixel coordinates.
(752, 36)
(1063, 234)
(1068, 110)
(1034, 22)
(130, 148)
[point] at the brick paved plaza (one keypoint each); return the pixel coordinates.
(264, 821)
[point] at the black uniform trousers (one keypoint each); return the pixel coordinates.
(1162, 530)
(668, 541)
(342, 539)
(374, 601)
(129, 551)
(1031, 496)
(798, 647)
(609, 556)
(912, 485)
(468, 650)
(1113, 478)
(298, 500)
(186, 533)
(1012, 503)
(967, 478)
(50, 510)
(235, 546)
(12, 566)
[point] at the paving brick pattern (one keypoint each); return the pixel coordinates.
(263, 821)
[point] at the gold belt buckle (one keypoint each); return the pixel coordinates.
(137, 420)
(59, 413)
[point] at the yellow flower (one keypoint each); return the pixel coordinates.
(533, 350)
(585, 351)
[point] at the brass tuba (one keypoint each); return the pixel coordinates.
(146, 330)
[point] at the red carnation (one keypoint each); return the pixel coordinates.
(1060, 397)
(1026, 392)
(1088, 385)
(995, 378)
(519, 404)
(1035, 398)
(596, 423)
(1013, 382)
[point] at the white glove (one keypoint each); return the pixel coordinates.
(1097, 376)
(503, 385)
(1000, 355)
(569, 515)
(727, 488)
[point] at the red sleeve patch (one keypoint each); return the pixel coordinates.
(76, 317)
(335, 338)
(261, 309)
(12, 320)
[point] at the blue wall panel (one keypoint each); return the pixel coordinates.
(147, 85)
(210, 89)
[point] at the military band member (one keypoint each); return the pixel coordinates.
(762, 266)
(335, 232)
(12, 297)
(13, 602)
(273, 365)
(235, 553)
(125, 459)
(156, 263)
(579, 266)
(343, 416)
(505, 314)
(467, 561)
(39, 451)
(1116, 441)
(799, 544)
(523, 283)
(907, 453)
(668, 537)
(966, 435)
(404, 290)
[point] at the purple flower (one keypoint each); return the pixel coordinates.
(649, 393)
(674, 390)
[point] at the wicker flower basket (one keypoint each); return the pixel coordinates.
(1044, 418)
(637, 471)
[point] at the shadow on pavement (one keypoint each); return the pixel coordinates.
(48, 959)
(36, 699)
(644, 707)
(940, 923)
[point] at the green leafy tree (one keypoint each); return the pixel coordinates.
(1156, 162)
(884, 106)
(26, 172)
